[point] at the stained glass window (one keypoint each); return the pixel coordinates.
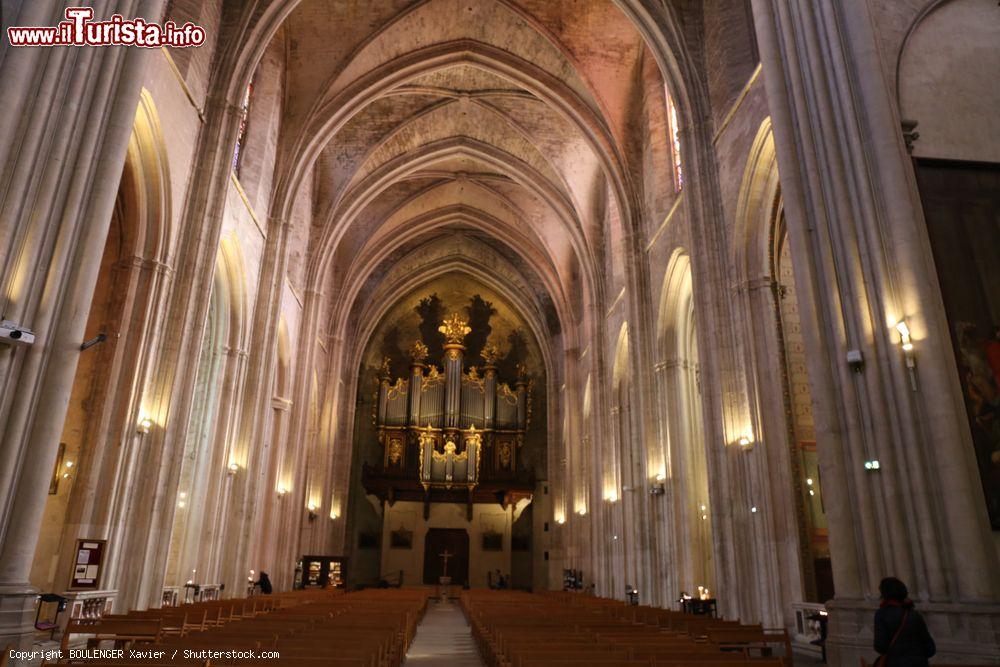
(675, 143)
(242, 135)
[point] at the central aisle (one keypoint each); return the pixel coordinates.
(443, 638)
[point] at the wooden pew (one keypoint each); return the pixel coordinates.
(125, 632)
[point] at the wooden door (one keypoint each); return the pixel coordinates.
(451, 541)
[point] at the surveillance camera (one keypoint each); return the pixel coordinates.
(14, 335)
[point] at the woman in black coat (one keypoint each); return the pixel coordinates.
(264, 583)
(901, 635)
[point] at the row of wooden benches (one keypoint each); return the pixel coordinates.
(370, 628)
(558, 630)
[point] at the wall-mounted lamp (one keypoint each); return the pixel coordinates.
(334, 515)
(657, 488)
(145, 424)
(745, 442)
(906, 343)
(904, 336)
(561, 519)
(873, 465)
(282, 490)
(234, 468)
(753, 509)
(582, 511)
(611, 497)
(312, 511)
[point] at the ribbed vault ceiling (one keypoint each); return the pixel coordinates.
(460, 135)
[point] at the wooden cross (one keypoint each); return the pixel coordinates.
(444, 557)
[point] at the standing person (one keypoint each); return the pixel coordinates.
(901, 636)
(265, 583)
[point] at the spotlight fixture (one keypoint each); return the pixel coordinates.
(282, 490)
(904, 336)
(753, 510)
(744, 441)
(312, 511)
(145, 424)
(234, 467)
(873, 465)
(908, 356)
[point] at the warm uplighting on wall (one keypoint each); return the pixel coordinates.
(611, 496)
(282, 490)
(560, 518)
(234, 467)
(334, 515)
(144, 426)
(581, 511)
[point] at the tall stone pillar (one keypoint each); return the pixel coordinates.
(71, 111)
(862, 263)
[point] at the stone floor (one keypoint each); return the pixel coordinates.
(443, 639)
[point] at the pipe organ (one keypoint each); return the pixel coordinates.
(451, 434)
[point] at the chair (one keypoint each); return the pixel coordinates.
(49, 625)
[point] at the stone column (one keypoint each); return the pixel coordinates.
(862, 263)
(71, 111)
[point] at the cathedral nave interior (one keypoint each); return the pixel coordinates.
(691, 305)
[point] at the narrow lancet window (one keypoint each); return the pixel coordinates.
(675, 143)
(242, 135)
